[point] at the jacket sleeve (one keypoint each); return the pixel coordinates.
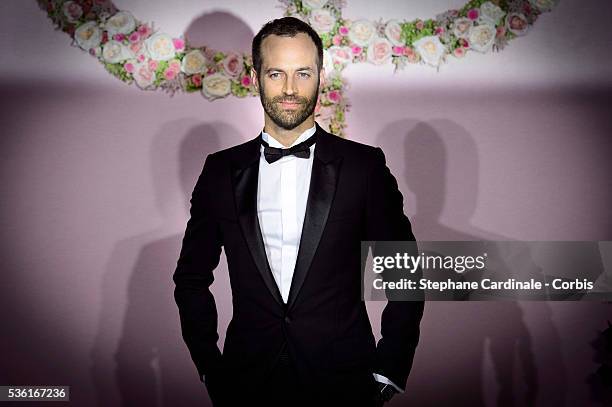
(385, 221)
(199, 256)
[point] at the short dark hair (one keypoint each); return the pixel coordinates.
(285, 27)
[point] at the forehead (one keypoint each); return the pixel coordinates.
(279, 51)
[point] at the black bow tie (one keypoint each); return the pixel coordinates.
(301, 150)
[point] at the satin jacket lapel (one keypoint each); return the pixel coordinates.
(245, 172)
(325, 171)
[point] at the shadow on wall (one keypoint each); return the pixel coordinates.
(479, 352)
(141, 359)
(212, 30)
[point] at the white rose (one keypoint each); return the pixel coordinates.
(491, 12)
(314, 4)
(379, 51)
(160, 47)
(72, 11)
(393, 31)
(430, 49)
(121, 23)
(517, 23)
(340, 55)
(544, 5)
(233, 64)
(322, 21)
(328, 63)
(193, 62)
(462, 27)
(88, 35)
(114, 52)
(362, 32)
(216, 86)
(482, 37)
(143, 76)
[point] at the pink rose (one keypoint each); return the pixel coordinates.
(174, 65)
(196, 80)
(129, 67)
(246, 81)
(419, 25)
(153, 64)
(459, 52)
(356, 49)
(118, 37)
(169, 74)
(439, 30)
(501, 31)
(411, 55)
(337, 40)
(104, 37)
(232, 64)
(398, 50)
(144, 30)
(141, 57)
(134, 37)
(343, 30)
(73, 11)
(464, 43)
(135, 48)
(334, 96)
(473, 14)
(178, 43)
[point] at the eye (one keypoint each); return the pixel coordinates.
(274, 75)
(304, 75)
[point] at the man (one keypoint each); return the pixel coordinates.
(290, 207)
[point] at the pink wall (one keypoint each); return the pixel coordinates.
(96, 178)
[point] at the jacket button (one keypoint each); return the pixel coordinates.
(287, 320)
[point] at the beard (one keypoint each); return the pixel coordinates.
(288, 119)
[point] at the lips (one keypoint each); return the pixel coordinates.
(289, 105)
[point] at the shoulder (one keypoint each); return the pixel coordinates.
(239, 153)
(363, 155)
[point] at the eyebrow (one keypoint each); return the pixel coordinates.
(304, 68)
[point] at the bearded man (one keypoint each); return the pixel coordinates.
(290, 207)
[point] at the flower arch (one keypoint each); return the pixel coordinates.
(137, 53)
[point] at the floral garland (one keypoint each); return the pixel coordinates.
(136, 53)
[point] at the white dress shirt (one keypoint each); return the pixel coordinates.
(282, 192)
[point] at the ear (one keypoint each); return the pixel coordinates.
(322, 78)
(254, 80)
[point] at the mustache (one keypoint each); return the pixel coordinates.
(281, 99)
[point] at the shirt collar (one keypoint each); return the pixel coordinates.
(272, 142)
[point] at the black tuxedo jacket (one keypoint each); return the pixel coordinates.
(352, 197)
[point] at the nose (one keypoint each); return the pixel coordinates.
(290, 83)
